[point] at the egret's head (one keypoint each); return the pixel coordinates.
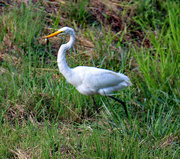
(64, 30)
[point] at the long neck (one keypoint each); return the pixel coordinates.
(61, 59)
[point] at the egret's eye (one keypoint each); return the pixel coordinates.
(46, 40)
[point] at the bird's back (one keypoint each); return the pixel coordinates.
(92, 80)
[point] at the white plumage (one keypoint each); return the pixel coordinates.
(92, 80)
(88, 80)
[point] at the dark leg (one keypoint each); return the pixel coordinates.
(95, 104)
(120, 101)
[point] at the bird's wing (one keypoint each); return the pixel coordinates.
(104, 78)
(93, 80)
(101, 77)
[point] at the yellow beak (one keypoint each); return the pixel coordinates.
(54, 34)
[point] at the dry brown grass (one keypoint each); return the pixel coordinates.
(115, 20)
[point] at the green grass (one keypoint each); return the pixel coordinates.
(42, 116)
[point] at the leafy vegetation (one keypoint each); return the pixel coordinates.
(42, 116)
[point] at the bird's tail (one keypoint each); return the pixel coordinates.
(126, 80)
(129, 83)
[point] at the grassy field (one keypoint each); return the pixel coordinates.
(42, 116)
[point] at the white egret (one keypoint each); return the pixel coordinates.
(89, 80)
